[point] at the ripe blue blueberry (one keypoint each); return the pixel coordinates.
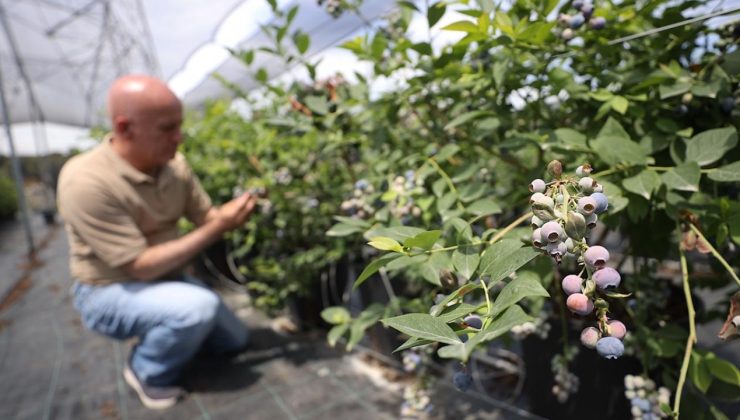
(462, 381)
(596, 256)
(577, 4)
(597, 23)
(579, 304)
(464, 337)
(537, 185)
(473, 321)
(587, 9)
(607, 277)
(727, 104)
(641, 403)
(590, 336)
(361, 185)
(602, 203)
(610, 347)
(577, 21)
(572, 284)
(586, 205)
(552, 231)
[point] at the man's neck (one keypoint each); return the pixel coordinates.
(121, 149)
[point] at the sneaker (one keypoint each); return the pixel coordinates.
(154, 397)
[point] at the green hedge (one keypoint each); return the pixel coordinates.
(8, 198)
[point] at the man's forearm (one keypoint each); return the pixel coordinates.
(164, 258)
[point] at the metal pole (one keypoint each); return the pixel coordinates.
(17, 173)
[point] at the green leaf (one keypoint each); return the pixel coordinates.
(503, 22)
(422, 48)
(472, 191)
(336, 333)
(709, 146)
(367, 318)
(678, 88)
(406, 261)
(536, 33)
(613, 145)
(519, 288)
(374, 266)
(727, 173)
(484, 206)
(723, 370)
(503, 258)
(378, 45)
(683, 177)
(458, 311)
(620, 104)
(410, 343)
(435, 13)
(454, 351)
(462, 26)
(336, 315)
(344, 229)
(447, 152)
(571, 137)
(466, 117)
(707, 90)
(424, 240)
(511, 317)
(399, 233)
(643, 184)
(423, 326)
(302, 42)
(317, 104)
(261, 75)
(460, 292)
(699, 372)
(466, 259)
(385, 244)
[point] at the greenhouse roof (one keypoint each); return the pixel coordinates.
(58, 57)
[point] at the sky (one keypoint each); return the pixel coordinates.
(242, 20)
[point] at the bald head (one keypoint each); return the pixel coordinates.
(146, 117)
(129, 96)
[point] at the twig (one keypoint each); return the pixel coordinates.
(692, 334)
(716, 254)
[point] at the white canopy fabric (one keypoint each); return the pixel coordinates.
(58, 57)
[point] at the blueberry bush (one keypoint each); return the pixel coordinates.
(537, 171)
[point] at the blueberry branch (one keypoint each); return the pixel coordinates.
(692, 334)
(448, 180)
(716, 254)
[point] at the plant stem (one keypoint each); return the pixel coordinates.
(692, 334)
(449, 181)
(510, 227)
(495, 238)
(485, 291)
(716, 253)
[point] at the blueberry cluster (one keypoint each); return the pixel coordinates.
(565, 211)
(566, 383)
(584, 13)
(402, 205)
(411, 361)
(539, 327)
(417, 401)
(645, 398)
(360, 204)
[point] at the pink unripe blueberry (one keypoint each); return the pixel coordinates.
(616, 329)
(572, 284)
(552, 231)
(589, 337)
(537, 237)
(586, 205)
(607, 277)
(596, 256)
(537, 185)
(580, 304)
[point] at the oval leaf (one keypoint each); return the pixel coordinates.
(423, 326)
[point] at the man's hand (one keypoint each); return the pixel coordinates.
(234, 213)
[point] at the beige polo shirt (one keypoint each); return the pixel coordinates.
(113, 212)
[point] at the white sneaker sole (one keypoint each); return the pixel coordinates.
(133, 382)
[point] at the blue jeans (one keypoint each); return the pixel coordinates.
(173, 320)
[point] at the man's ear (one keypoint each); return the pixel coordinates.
(121, 125)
